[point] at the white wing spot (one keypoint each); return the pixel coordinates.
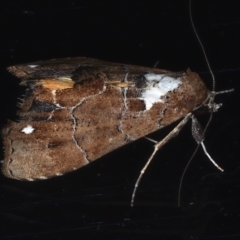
(28, 129)
(158, 85)
(33, 66)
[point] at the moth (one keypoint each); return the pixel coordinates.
(76, 110)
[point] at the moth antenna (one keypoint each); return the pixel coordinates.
(208, 100)
(183, 174)
(200, 42)
(213, 107)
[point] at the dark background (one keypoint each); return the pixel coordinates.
(94, 202)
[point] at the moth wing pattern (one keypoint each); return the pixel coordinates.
(79, 109)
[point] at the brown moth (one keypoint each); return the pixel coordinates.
(78, 109)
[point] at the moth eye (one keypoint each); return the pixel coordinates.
(141, 82)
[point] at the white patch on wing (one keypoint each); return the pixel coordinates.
(33, 66)
(158, 85)
(28, 129)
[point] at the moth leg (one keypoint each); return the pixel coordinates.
(157, 146)
(199, 138)
(151, 140)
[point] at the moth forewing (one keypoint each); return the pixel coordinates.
(79, 109)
